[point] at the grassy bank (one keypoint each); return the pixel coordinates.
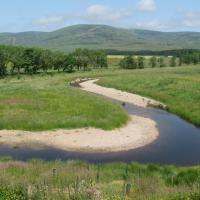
(74, 180)
(44, 102)
(178, 88)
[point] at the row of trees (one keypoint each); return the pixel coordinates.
(17, 60)
(131, 62)
(173, 52)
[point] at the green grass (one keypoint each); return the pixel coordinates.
(178, 88)
(75, 180)
(46, 102)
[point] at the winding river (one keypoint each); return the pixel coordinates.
(178, 143)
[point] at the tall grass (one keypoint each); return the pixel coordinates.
(178, 88)
(47, 102)
(79, 180)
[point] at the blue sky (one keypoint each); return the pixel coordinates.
(47, 15)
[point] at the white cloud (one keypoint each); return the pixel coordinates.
(153, 24)
(182, 20)
(51, 20)
(158, 24)
(147, 5)
(191, 19)
(101, 13)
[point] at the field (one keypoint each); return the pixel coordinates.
(49, 98)
(74, 180)
(48, 102)
(178, 88)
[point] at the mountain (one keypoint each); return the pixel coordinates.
(104, 37)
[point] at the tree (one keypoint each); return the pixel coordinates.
(99, 59)
(78, 56)
(17, 58)
(69, 64)
(128, 62)
(46, 60)
(161, 62)
(58, 61)
(173, 61)
(3, 70)
(153, 61)
(140, 61)
(195, 58)
(187, 59)
(31, 57)
(180, 61)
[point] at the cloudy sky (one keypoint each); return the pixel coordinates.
(47, 15)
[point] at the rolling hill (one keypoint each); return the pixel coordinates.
(104, 37)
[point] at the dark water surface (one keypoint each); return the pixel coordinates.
(178, 143)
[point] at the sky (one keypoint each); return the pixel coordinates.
(48, 15)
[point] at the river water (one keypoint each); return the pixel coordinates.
(178, 143)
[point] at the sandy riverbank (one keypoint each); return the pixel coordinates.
(138, 100)
(137, 133)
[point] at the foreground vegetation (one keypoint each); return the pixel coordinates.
(44, 102)
(178, 88)
(75, 180)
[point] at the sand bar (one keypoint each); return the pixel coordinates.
(138, 132)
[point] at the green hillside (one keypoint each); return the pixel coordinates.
(105, 37)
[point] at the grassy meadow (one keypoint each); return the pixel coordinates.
(47, 102)
(75, 180)
(178, 88)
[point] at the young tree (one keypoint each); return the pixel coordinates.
(128, 62)
(173, 61)
(195, 58)
(180, 61)
(187, 59)
(140, 61)
(153, 61)
(3, 70)
(161, 62)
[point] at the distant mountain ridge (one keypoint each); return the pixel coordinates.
(103, 37)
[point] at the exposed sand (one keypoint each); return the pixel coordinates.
(90, 86)
(137, 133)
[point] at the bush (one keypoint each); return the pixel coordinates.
(13, 193)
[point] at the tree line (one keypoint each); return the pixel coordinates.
(175, 52)
(21, 60)
(187, 58)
